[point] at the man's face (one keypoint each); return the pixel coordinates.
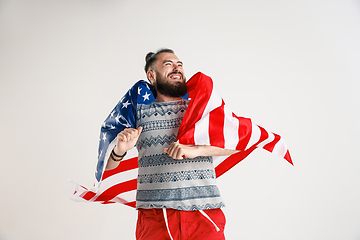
(169, 75)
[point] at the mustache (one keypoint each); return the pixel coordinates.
(176, 72)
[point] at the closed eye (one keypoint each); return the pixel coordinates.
(167, 62)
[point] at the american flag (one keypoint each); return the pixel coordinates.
(207, 121)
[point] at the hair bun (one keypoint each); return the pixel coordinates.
(148, 56)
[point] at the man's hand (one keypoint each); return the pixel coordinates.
(180, 151)
(126, 140)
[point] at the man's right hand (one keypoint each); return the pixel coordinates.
(126, 140)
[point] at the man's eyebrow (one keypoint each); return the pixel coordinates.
(166, 61)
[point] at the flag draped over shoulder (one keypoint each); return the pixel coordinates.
(207, 121)
(117, 185)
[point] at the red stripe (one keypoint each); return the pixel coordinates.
(131, 204)
(188, 137)
(88, 195)
(231, 161)
(200, 88)
(117, 189)
(270, 146)
(124, 165)
(111, 192)
(288, 157)
(216, 127)
(263, 136)
(244, 132)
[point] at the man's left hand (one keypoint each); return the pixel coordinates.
(180, 151)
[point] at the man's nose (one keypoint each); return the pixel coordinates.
(176, 68)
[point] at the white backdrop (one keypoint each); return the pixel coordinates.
(292, 66)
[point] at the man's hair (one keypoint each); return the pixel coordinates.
(151, 57)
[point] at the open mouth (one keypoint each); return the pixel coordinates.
(176, 76)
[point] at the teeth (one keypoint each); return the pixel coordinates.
(176, 77)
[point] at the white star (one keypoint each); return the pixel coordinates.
(123, 121)
(126, 104)
(148, 87)
(146, 96)
(100, 153)
(139, 90)
(118, 118)
(112, 127)
(104, 137)
(103, 125)
(112, 113)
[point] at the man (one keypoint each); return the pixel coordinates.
(177, 197)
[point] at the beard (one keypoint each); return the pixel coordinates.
(170, 89)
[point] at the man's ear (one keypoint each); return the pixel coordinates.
(151, 76)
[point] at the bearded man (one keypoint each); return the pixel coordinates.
(177, 196)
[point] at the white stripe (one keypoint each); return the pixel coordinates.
(131, 153)
(106, 158)
(201, 133)
(102, 186)
(125, 197)
(215, 101)
(270, 138)
(79, 190)
(166, 222)
(113, 180)
(231, 126)
(255, 135)
(280, 148)
(218, 159)
(207, 216)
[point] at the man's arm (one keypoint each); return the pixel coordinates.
(125, 141)
(179, 151)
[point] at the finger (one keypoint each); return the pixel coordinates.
(166, 150)
(121, 137)
(128, 130)
(176, 151)
(139, 130)
(172, 150)
(179, 153)
(126, 135)
(136, 133)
